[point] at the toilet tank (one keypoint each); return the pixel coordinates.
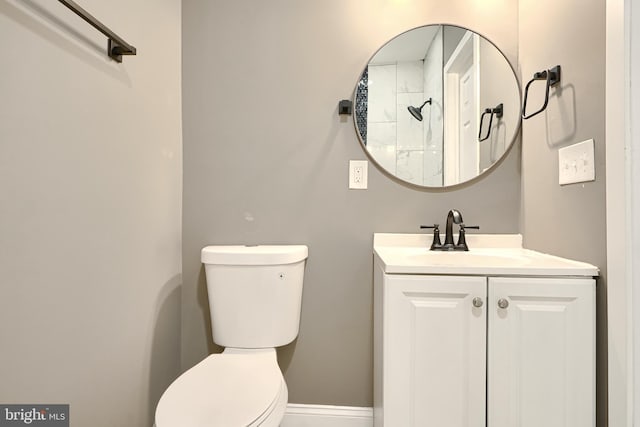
(255, 293)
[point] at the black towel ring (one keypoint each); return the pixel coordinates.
(498, 111)
(552, 76)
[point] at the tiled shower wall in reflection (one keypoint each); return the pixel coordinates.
(406, 147)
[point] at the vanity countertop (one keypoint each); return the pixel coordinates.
(489, 254)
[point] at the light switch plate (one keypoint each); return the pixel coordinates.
(358, 174)
(576, 163)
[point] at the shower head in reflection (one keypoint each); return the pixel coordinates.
(417, 112)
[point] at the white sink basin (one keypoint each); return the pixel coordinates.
(488, 254)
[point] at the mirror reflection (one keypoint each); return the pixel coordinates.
(437, 106)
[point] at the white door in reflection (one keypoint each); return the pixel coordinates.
(462, 111)
(468, 125)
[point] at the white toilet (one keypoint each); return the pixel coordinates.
(255, 295)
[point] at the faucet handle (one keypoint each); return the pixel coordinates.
(436, 244)
(430, 226)
(462, 241)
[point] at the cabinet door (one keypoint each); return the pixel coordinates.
(434, 351)
(541, 352)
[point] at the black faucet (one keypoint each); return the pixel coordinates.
(453, 217)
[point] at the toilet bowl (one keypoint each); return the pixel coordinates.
(234, 388)
(255, 300)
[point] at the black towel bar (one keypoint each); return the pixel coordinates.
(116, 47)
(498, 111)
(552, 76)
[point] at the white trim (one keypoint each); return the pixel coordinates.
(451, 173)
(619, 213)
(633, 203)
(476, 75)
(326, 416)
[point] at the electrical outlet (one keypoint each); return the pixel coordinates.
(576, 163)
(358, 174)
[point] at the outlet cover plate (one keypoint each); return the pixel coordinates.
(576, 163)
(358, 174)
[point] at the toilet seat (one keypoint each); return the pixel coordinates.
(238, 388)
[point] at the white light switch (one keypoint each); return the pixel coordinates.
(358, 174)
(576, 163)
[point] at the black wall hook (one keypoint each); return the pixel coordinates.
(344, 107)
(552, 76)
(498, 111)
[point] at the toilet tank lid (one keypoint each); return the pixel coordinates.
(254, 255)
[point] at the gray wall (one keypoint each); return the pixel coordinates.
(568, 221)
(266, 159)
(90, 209)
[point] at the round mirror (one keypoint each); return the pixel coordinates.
(437, 106)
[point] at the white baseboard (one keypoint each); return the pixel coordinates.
(326, 416)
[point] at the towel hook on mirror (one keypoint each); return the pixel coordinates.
(498, 111)
(552, 76)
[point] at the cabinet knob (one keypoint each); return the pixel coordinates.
(503, 303)
(477, 302)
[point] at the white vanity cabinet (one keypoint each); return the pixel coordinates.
(483, 350)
